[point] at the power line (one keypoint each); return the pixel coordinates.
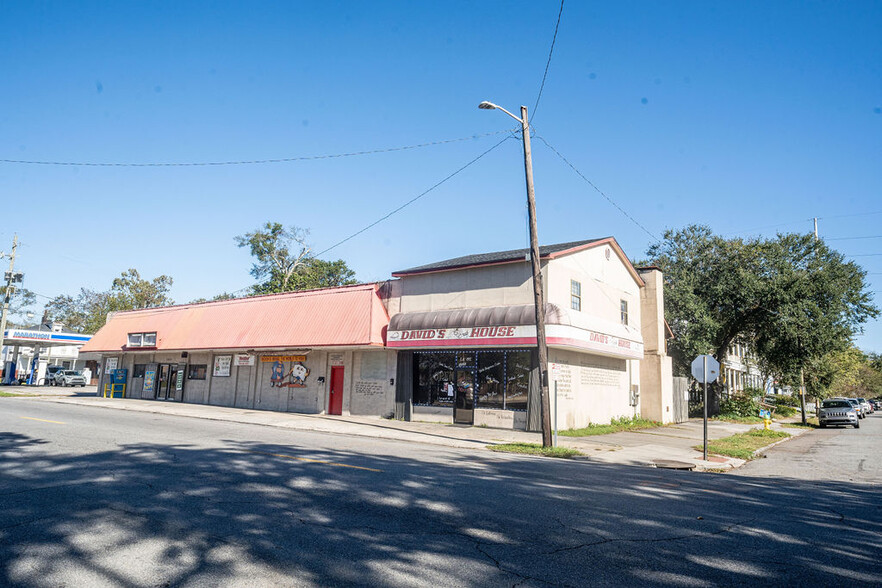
(849, 215)
(414, 199)
(862, 254)
(599, 191)
(548, 63)
(252, 161)
(850, 238)
(400, 208)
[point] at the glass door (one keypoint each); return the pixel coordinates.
(162, 381)
(464, 401)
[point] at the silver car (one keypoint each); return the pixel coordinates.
(69, 378)
(838, 411)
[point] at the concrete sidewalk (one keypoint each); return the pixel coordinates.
(639, 447)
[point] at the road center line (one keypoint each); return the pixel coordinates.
(340, 465)
(42, 420)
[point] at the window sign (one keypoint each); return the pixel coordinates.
(222, 366)
(110, 364)
(179, 383)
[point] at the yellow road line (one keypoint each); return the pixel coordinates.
(42, 420)
(340, 465)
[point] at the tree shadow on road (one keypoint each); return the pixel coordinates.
(180, 515)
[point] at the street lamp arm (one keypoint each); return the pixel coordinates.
(490, 106)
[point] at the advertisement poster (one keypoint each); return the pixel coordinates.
(149, 380)
(243, 359)
(110, 364)
(222, 365)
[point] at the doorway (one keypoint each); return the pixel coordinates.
(335, 400)
(169, 380)
(464, 400)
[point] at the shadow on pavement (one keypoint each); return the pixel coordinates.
(174, 515)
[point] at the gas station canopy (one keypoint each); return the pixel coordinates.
(26, 337)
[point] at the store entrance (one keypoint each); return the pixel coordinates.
(464, 400)
(167, 381)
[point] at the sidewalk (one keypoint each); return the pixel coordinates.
(640, 447)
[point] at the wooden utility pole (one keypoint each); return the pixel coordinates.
(10, 278)
(538, 294)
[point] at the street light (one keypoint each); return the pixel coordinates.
(538, 296)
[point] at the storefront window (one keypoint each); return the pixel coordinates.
(491, 379)
(433, 379)
(518, 365)
(502, 378)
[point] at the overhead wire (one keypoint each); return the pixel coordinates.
(598, 190)
(399, 208)
(548, 62)
(253, 161)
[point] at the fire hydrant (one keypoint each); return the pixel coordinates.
(767, 419)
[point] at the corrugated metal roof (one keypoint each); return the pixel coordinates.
(348, 315)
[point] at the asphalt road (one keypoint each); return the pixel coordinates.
(98, 497)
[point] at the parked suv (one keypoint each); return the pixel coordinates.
(69, 378)
(838, 411)
(50, 374)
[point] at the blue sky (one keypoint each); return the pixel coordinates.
(752, 117)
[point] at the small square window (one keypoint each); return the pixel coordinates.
(149, 340)
(624, 307)
(138, 370)
(135, 339)
(575, 295)
(197, 372)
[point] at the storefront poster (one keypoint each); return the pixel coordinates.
(295, 377)
(110, 364)
(222, 366)
(179, 382)
(149, 380)
(243, 359)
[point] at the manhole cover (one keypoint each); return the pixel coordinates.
(670, 464)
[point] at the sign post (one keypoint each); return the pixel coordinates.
(705, 369)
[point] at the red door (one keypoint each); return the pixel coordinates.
(335, 403)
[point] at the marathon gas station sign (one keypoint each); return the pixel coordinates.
(46, 337)
(524, 335)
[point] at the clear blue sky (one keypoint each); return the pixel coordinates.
(739, 115)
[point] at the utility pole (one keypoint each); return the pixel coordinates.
(538, 296)
(816, 227)
(10, 278)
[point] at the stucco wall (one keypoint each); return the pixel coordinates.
(370, 391)
(496, 285)
(604, 284)
(591, 388)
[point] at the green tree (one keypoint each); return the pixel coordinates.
(792, 297)
(87, 311)
(283, 262)
(20, 300)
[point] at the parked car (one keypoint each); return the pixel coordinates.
(865, 404)
(69, 378)
(838, 411)
(858, 407)
(50, 374)
(877, 404)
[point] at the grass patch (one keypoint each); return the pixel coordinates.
(534, 449)
(743, 445)
(811, 423)
(9, 394)
(616, 426)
